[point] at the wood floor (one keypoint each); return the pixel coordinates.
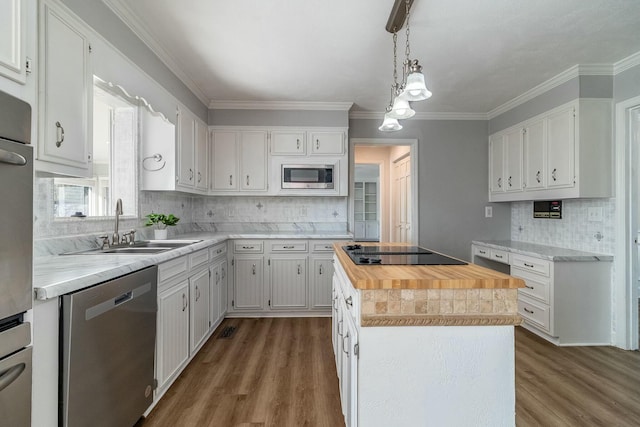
(280, 372)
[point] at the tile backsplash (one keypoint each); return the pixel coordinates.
(573, 231)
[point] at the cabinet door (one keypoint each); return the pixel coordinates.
(12, 39)
(66, 104)
(513, 153)
(214, 293)
(224, 160)
(248, 290)
(350, 371)
(288, 279)
(253, 161)
(224, 290)
(199, 313)
(327, 143)
(173, 331)
(359, 230)
(534, 176)
(320, 282)
(201, 159)
(371, 231)
(496, 166)
(288, 143)
(186, 148)
(561, 148)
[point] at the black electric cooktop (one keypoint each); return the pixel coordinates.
(397, 255)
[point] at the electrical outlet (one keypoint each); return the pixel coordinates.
(594, 214)
(488, 211)
(231, 212)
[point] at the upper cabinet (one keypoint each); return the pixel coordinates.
(288, 143)
(192, 152)
(13, 61)
(66, 95)
(238, 161)
(561, 154)
(327, 143)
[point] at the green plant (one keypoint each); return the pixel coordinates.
(161, 221)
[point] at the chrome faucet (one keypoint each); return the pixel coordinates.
(116, 236)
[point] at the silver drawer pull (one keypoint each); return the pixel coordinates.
(483, 252)
(528, 287)
(288, 247)
(219, 251)
(320, 269)
(248, 247)
(298, 269)
(528, 265)
(528, 311)
(253, 269)
(499, 256)
(349, 301)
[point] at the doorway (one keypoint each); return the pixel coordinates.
(627, 262)
(383, 209)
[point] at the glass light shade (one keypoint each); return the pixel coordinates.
(389, 124)
(416, 89)
(401, 109)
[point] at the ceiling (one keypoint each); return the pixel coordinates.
(476, 54)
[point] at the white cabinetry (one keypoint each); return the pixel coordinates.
(199, 320)
(238, 161)
(13, 25)
(288, 143)
(218, 296)
(321, 274)
(66, 95)
(192, 152)
(248, 274)
(565, 302)
(327, 143)
(288, 275)
(564, 153)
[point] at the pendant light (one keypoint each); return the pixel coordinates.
(415, 88)
(389, 124)
(398, 108)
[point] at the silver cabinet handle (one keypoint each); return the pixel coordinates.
(59, 134)
(12, 158)
(528, 287)
(10, 375)
(199, 177)
(339, 329)
(197, 293)
(482, 252)
(343, 345)
(219, 251)
(510, 182)
(288, 247)
(499, 182)
(349, 301)
(317, 144)
(553, 174)
(528, 265)
(248, 247)
(298, 269)
(190, 174)
(254, 270)
(538, 177)
(217, 278)
(328, 247)
(528, 311)
(230, 179)
(499, 256)
(297, 144)
(223, 273)
(320, 269)
(247, 180)
(184, 302)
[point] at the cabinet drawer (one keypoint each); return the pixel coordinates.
(217, 250)
(173, 268)
(527, 263)
(199, 258)
(289, 246)
(535, 313)
(248, 246)
(322, 245)
(482, 251)
(500, 256)
(536, 287)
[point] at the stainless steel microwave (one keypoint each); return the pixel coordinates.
(308, 176)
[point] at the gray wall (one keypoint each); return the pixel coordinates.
(278, 118)
(626, 84)
(98, 16)
(452, 175)
(579, 87)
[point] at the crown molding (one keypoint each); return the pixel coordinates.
(126, 15)
(626, 63)
(280, 105)
(379, 115)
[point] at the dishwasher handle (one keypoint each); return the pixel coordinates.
(123, 298)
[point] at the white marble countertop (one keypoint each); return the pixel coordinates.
(550, 253)
(57, 275)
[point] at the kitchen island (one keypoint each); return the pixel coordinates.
(424, 345)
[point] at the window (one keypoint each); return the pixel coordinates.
(115, 134)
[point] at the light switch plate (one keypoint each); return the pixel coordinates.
(594, 214)
(488, 211)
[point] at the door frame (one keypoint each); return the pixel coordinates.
(625, 292)
(412, 143)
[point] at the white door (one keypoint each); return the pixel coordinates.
(199, 313)
(402, 200)
(224, 160)
(288, 279)
(253, 161)
(249, 283)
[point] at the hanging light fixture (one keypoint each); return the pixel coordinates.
(412, 87)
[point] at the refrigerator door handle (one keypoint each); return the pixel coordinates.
(12, 158)
(10, 375)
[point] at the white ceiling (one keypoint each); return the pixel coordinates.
(477, 54)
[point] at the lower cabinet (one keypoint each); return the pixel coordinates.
(172, 345)
(218, 290)
(278, 276)
(199, 311)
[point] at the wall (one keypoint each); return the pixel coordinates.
(452, 175)
(626, 85)
(278, 118)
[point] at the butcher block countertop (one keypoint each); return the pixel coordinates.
(470, 276)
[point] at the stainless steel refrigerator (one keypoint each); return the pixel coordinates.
(16, 260)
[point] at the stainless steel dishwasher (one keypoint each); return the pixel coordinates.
(108, 335)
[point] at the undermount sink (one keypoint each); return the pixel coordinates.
(139, 248)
